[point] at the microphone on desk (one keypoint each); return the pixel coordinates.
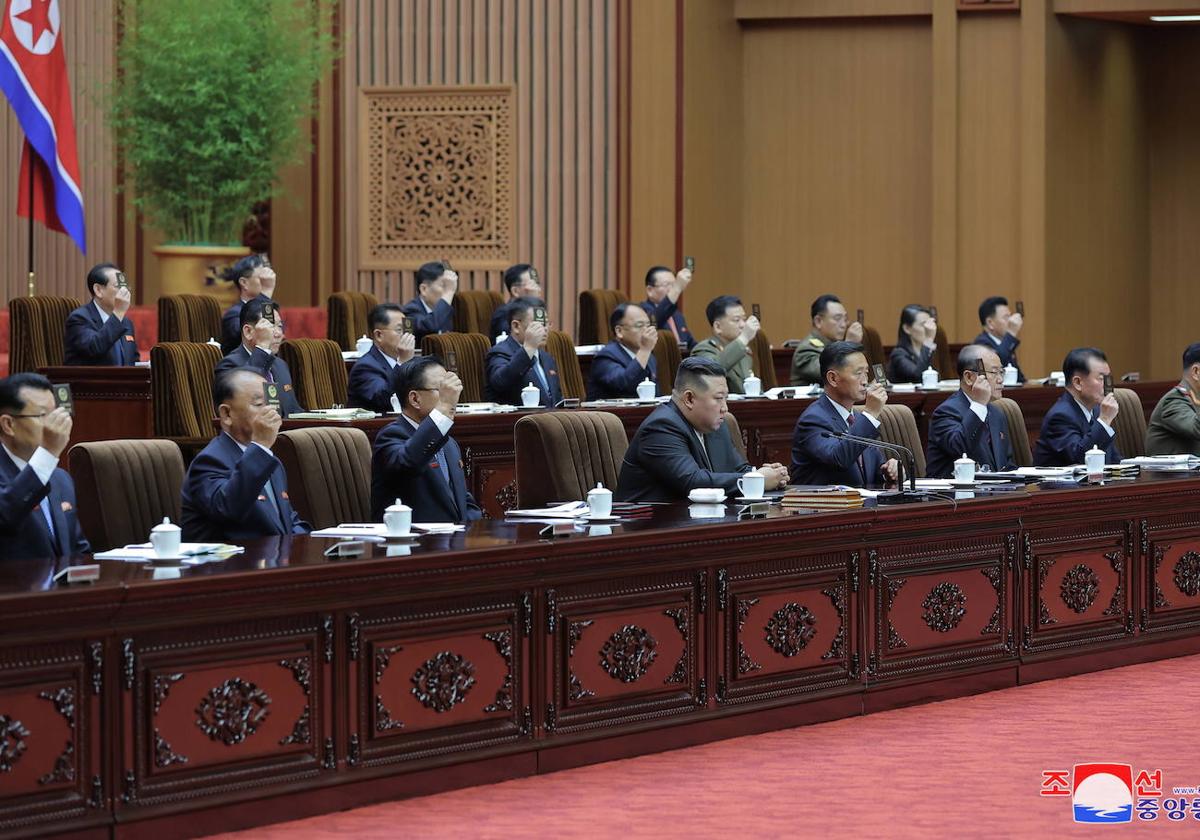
(909, 464)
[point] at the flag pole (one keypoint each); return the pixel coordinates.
(32, 279)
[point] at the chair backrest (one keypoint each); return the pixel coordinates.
(873, 345)
(348, 316)
(735, 432)
(570, 374)
(469, 351)
(897, 424)
(1018, 435)
(1130, 424)
(125, 488)
(181, 379)
(668, 357)
(764, 362)
(943, 359)
(329, 473)
(35, 331)
(189, 318)
(595, 307)
(318, 371)
(563, 454)
(473, 310)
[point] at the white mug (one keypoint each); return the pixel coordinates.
(751, 485)
(964, 469)
(752, 385)
(363, 345)
(1010, 374)
(646, 390)
(397, 519)
(530, 396)
(929, 378)
(599, 501)
(166, 539)
(1093, 459)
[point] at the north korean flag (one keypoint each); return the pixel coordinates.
(33, 75)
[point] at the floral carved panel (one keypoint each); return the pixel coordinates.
(437, 177)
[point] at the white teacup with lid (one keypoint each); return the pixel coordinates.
(1010, 374)
(166, 538)
(752, 385)
(397, 518)
(530, 396)
(929, 378)
(751, 484)
(363, 346)
(1093, 459)
(646, 389)
(599, 500)
(964, 469)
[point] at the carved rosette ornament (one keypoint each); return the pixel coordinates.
(12, 742)
(944, 606)
(790, 628)
(1080, 586)
(443, 681)
(628, 653)
(1187, 574)
(232, 711)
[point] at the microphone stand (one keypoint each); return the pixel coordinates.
(908, 463)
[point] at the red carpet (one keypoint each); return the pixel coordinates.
(970, 767)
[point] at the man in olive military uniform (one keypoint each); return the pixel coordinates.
(730, 342)
(829, 325)
(1175, 424)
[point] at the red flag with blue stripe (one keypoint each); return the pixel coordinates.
(33, 75)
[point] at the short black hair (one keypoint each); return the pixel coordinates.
(224, 384)
(968, 356)
(835, 353)
(380, 314)
(822, 303)
(692, 372)
(252, 310)
(988, 308)
(429, 273)
(1191, 355)
(10, 390)
(718, 306)
(1079, 361)
(411, 375)
(654, 270)
(517, 308)
(908, 317)
(98, 276)
(512, 275)
(618, 314)
(244, 267)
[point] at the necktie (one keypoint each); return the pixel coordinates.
(269, 492)
(45, 506)
(443, 467)
(674, 329)
(862, 464)
(541, 375)
(114, 352)
(704, 451)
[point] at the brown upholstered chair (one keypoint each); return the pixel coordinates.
(570, 374)
(181, 378)
(943, 359)
(348, 317)
(668, 356)
(318, 371)
(764, 362)
(329, 474)
(35, 331)
(563, 454)
(1130, 424)
(125, 488)
(735, 432)
(1018, 435)
(189, 318)
(595, 307)
(898, 425)
(473, 309)
(873, 345)
(469, 351)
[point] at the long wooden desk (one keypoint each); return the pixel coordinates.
(281, 683)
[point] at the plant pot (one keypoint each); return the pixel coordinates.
(184, 269)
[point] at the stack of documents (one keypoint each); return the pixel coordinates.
(189, 553)
(822, 498)
(1164, 463)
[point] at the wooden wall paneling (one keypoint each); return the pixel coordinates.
(1130, 7)
(836, 167)
(1035, 17)
(944, 173)
(790, 9)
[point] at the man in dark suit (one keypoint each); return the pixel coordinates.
(432, 310)
(37, 499)
(255, 279)
(684, 444)
(817, 459)
(663, 290)
(262, 333)
(967, 423)
(98, 333)
(236, 489)
(521, 359)
(415, 459)
(520, 280)
(371, 384)
(1082, 417)
(628, 359)
(1001, 326)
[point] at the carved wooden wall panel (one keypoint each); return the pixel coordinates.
(437, 177)
(1171, 573)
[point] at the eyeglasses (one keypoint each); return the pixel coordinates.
(639, 325)
(15, 416)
